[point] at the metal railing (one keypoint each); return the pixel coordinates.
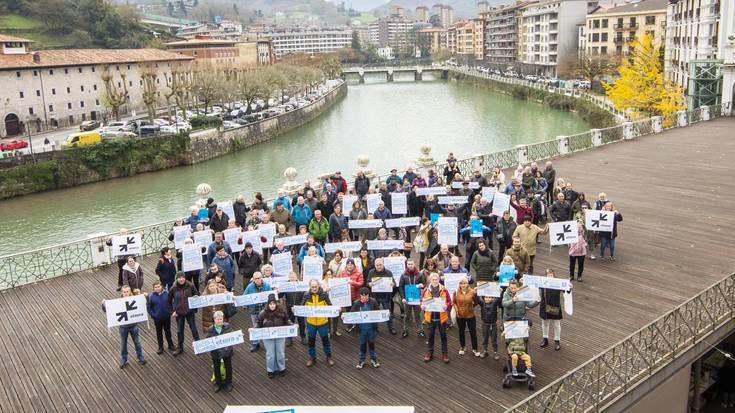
(602, 380)
(37, 265)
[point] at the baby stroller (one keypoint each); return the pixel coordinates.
(520, 378)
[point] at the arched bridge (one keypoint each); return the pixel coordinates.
(389, 71)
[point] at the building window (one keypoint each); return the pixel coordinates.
(117, 68)
(17, 74)
(130, 83)
(50, 108)
(119, 84)
(21, 95)
(93, 69)
(51, 72)
(81, 104)
(68, 89)
(68, 105)
(53, 91)
(81, 88)
(66, 71)
(595, 37)
(97, 102)
(94, 87)
(71, 119)
(603, 37)
(80, 70)
(30, 111)
(595, 24)
(128, 67)
(38, 93)
(603, 50)
(604, 23)
(633, 23)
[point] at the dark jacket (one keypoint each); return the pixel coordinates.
(504, 231)
(336, 225)
(249, 264)
(378, 274)
(166, 270)
(219, 224)
(362, 186)
(484, 264)
(416, 277)
(415, 205)
(222, 352)
(372, 306)
(269, 320)
(178, 297)
(241, 213)
(560, 211)
(211, 209)
(549, 298)
(158, 306)
(550, 176)
(488, 312)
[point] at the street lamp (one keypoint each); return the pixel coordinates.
(30, 140)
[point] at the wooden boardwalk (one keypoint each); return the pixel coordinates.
(673, 190)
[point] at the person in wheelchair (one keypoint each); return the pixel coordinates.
(517, 350)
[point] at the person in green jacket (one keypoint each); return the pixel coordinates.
(319, 227)
(512, 308)
(517, 349)
(483, 262)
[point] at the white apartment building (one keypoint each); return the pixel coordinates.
(394, 32)
(551, 34)
(53, 88)
(501, 34)
(692, 30)
(727, 52)
(309, 41)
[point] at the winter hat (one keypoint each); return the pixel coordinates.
(180, 274)
(248, 245)
(272, 298)
(350, 261)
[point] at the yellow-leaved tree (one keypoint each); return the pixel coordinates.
(641, 88)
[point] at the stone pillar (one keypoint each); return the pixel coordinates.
(628, 130)
(522, 154)
(477, 161)
(361, 73)
(563, 142)
(596, 137)
(657, 124)
(203, 190)
(418, 75)
(704, 113)
(389, 76)
(362, 166)
(425, 161)
(290, 187)
(682, 118)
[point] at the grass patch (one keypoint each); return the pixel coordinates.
(18, 22)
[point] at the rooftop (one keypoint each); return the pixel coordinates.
(196, 41)
(6, 38)
(76, 57)
(640, 7)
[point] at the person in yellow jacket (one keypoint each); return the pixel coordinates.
(317, 325)
(437, 320)
(528, 233)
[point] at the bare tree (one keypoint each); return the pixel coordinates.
(208, 85)
(113, 96)
(179, 84)
(149, 75)
(591, 67)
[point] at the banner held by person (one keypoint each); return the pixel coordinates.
(347, 202)
(313, 268)
(365, 317)
(488, 193)
(451, 281)
(217, 342)
(387, 244)
(267, 231)
(515, 329)
(327, 311)
(294, 240)
(402, 222)
(227, 208)
(126, 310)
(529, 294)
(549, 283)
(203, 238)
(191, 258)
(501, 203)
(123, 245)
(181, 234)
(364, 223)
(434, 190)
(234, 237)
(383, 285)
(600, 221)
(282, 263)
(396, 265)
(460, 184)
(265, 333)
(199, 301)
(253, 237)
(447, 230)
(351, 246)
(563, 232)
(251, 299)
(488, 289)
(339, 292)
(399, 203)
(476, 228)
(286, 286)
(372, 202)
(413, 294)
(435, 305)
(453, 200)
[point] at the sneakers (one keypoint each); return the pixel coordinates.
(160, 351)
(179, 351)
(592, 257)
(579, 278)
(392, 331)
(375, 363)
(254, 348)
(461, 351)
(360, 365)
(218, 389)
(404, 334)
(421, 333)
(310, 362)
(514, 372)
(338, 333)
(483, 355)
(530, 373)
(477, 353)
(571, 278)
(427, 357)
(612, 258)
(271, 374)
(545, 343)
(557, 345)
(122, 365)
(330, 361)
(445, 358)
(142, 362)
(496, 356)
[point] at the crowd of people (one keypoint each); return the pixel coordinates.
(503, 251)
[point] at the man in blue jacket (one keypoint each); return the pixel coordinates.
(301, 213)
(226, 264)
(256, 286)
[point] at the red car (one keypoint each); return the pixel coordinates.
(12, 145)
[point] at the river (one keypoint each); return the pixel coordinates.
(386, 121)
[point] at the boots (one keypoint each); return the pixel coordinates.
(545, 343)
(557, 345)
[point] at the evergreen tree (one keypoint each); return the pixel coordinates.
(355, 41)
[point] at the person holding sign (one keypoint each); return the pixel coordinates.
(128, 329)
(213, 287)
(513, 309)
(410, 285)
(337, 223)
(166, 268)
(160, 312)
(250, 261)
(436, 320)
(489, 316)
(550, 312)
(519, 255)
(577, 252)
(317, 325)
(256, 286)
(291, 299)
(274, 315)
(504, 230)
(132, 274)
(464, 303)
(178, 299)
(384, 299)
(356, 278)
(607, 239)
(319, 227)
(225, 262)
(222, 355)
(528, 234)
(367, 330)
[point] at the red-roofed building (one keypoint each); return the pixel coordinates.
(56, 88)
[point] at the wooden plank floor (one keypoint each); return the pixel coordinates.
(675, 240)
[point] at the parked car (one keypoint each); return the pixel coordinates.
(82, 139)
(148, 130)
(230, 124)
(118, 126)
(13, 145)
(89, 125)
(118, 134)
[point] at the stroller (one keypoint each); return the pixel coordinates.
(521, 377)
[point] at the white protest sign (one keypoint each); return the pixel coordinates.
(328, 311)
(253, 237)
(399, 203)
(382, 285)
(339, 292)
(453, 200)
(488, 193)
(488, 289)
(365, 223)
(372, 202)
(447, 227)
(266, 333)
(460, 184)
(268, 231)
(291, 286)
(515, 329)
(396, 265)
(126, 310)
(434, 190)
(402, 222)
(126, 244)
(385, 244)
(294, 240)
(227, 208)
(435, 305)
(528, 293)
(313, 268)
(252, 299)
(282, 263)
(564, 232)
(548, 283)
(601, 221)
(331, 247)
(365, 317)
(501, 203)
(199, 301)
(347, 202)
(202, 238)
(181, 234)
(451, 281)
(568, 303)
(217, 342)
(233, 236)
(191, 258)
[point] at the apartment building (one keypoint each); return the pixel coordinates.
(551, 36)
(422, 14)
(432, 39)
(444, 13)
(308, 41)
(501, 34)
(478, 38)
(395, 32)
(53, 88)
(610, 31)
(726, 40)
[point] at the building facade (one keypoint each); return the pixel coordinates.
(727, 52)
(422, 14)
(550, 35)
(610, 31)
(432, 39)
(501, 34)
(207, 50)
(395, 32)
(309, 41)
(57, 88)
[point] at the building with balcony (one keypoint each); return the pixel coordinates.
(394, 32)
(610, 31)
(478, 38)
(550, 35)
(444, 13)
(501, 34)
(432, 39)
(55, 88)
(308, 41)
(422, 14)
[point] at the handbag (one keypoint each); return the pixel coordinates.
(550, 309)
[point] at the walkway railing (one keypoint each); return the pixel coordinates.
(602, 380)
(41, 264)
